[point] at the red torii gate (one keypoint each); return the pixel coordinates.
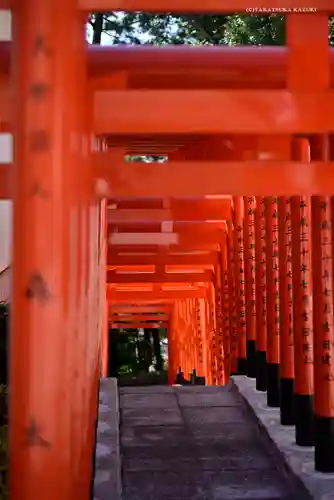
(270, 142)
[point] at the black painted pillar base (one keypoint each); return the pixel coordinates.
(273, 385)
(242, 366)
(324, 444)
(193, 377)
(251, 358)
(287, 406)
(200, 381)
(180, 380)
(304, 420)
(261, 371)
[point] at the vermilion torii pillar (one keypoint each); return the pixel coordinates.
(261, 295)
(249, 256)
(287, 372)
(51, 371)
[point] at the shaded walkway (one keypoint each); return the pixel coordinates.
(182, 443)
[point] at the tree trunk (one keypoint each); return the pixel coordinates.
(157, 349)
(147, 349)
(97, 29)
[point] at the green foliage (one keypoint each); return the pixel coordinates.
(3, 342)
(3, 405)
(127, 353)
(3, 444)
(209, 30)
(143, 28)
(145, 159)
(331, 31)
(132, 353)
(256, 30)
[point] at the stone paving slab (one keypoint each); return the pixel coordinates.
(148, 389)
(229, 431)
(250, 454)
(205, 463)
(214, 415)
(208, 399)
(202, 389)
(163, 486)
(152, 416)
(149, 435)
(138, 401)
(300, 460)
(192, 483)
(213, 453)
(107, 481)
(252, 484)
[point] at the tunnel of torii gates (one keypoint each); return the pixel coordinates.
(231, 239)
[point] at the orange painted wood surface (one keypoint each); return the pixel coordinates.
(139, 324)
(215, 178)
(205, 178)
(195, 111)
(167, 259)
(118, 277)
(139, 317)
(149, 295)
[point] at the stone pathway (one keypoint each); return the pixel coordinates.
(197, 443)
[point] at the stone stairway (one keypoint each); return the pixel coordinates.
(197, 443)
